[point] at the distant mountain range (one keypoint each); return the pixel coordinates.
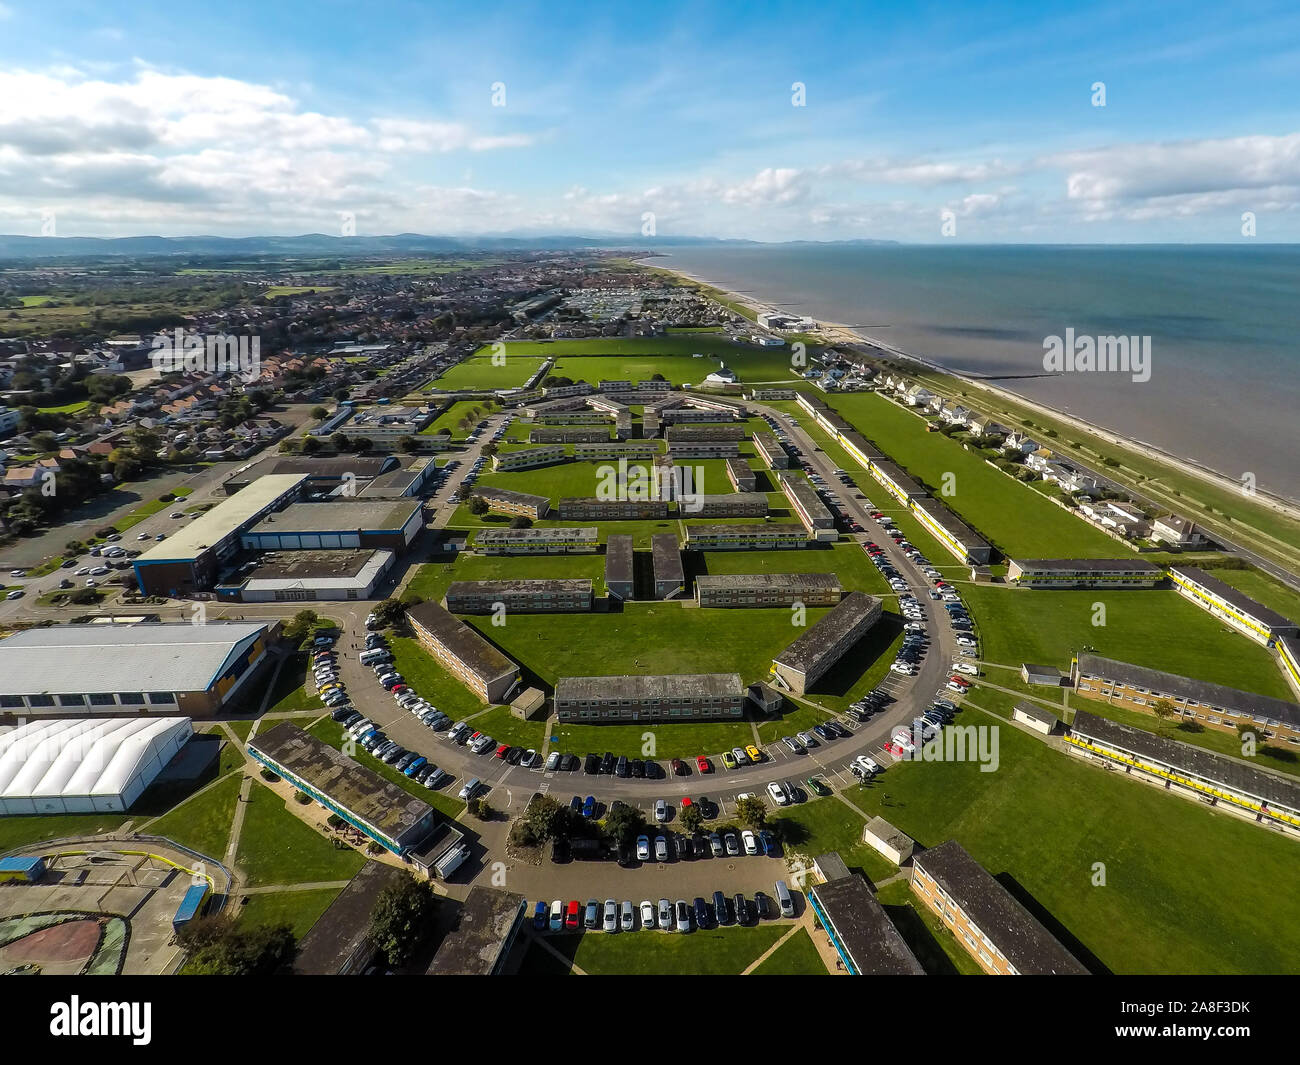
(13, 246)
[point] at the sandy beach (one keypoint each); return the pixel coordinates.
(840, 334)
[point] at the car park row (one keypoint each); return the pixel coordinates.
(667, 916)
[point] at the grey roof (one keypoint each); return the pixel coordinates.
(484, 659)
(1089, 565)
(899, 477)
(1036, 712)
(359, 466)
(1217, 695)
(1022, 940)
(520, 585)
(666, 555)
(343, 930)
(505, 495)
(863, 929)
(798, 488)
(852, 436)
(675, 686)
(485, 926)
(227, 517)
(1187, 759)
(161, 657)
(821, 640)
(619, 559)
(360, 791)
(950, 523)
(895, 837)
(1239, 600)
(791, 582)
(564, 532)
(340, 515)
(773, 528)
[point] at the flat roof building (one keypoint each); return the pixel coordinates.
(861, 932)
(958, 537)
(479, 943)
(676, 434)
(814, 653)
(767, 589)
(566, 596)
(1266, 797)
(892, 843)
(1229, 604)
(323, 473)
(556, 435)
(741, 475)
(156, 668)
(703, 449)
(339, 523)
(666, 559)
(896, 481)
(1212, 705)
(678, 697)
(479, 665)
(1035, 717)
(763, 537)
(563, 540)
(859, 447)
(504, 501)
(1084, 573)
(340, 943)
(594, 509)
(616, 449)
(393, 818)
(807, 504)
(620, 574)
(769, 449)
(309, 576)
(724, 505)
(996, 930)
(190, 558)
(527, 458)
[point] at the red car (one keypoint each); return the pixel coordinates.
(877, 515)
(704, 764)
(894, 749)
(501, 751)
(686, 801)
(571, 914)
(939, 583)
(956, 679)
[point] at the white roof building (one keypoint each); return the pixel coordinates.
(84, 765)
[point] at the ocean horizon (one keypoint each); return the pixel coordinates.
(1223, 381)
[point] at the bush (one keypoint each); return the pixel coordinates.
(268, 776)
(301, 797)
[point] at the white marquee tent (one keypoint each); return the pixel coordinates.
(85, 765)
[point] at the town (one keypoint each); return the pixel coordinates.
(474, 591)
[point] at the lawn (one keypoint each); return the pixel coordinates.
(1187, 889)
(797, 956)
(22, 831)
(1262, 588)
(298, 909)
(293, 290)
(423, 673)
(822, 825)
(203, 822)
(275, 847)
(504, 727)
(1156, 628)
(1012, 517)
(451, 418)
(290, 692)
(150, 508)
(711, 952)
(479, 371)
(681, 740)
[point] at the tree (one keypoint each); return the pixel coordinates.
(1163, 709)
(219, 947)
(319, 413)
(362, 444)
(478, 505)
(691, 818)
(752, 812)
(297, 627)
(521, 522)
(490, 449)
(625, 823)
(402, 919)
(547, 818)
(310, 446)
(408, 444)
(388, 612)
(480, 808)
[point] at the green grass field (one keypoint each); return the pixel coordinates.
(145, 510)
(797, 956)
(1262, 588)
(480, 371)
(290, 692)
(298, 909)
(1156, 628)
(293, 290)
(822, 825)
(203, 822)
(712, 952)
(275, 847)
(1186, 889)
(431, 579)
(1011, 516)
(451, 418)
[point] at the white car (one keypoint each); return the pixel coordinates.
(665, 915)
(778, 793)
(966, 667)
(867, 765)
(661, 811)
(749, 841)
(611, 916)
(626, 917)
(902, 667)
(553, 762)
(807, 739)
(647, 914)
(643, 848)
(17, 573)
(661, 849)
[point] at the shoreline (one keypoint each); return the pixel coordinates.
(838, 333)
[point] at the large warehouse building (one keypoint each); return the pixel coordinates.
(377, 523)
(168, 668)
(85, 765)
(188, 561)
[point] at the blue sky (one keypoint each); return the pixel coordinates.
(972, 122)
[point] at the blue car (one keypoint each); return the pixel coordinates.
(575, 804)
(589, 806)
(768, 841)
(539, 916)
(415, 766)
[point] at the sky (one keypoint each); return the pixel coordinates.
(982, 123)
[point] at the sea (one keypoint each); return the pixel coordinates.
(1222, 387)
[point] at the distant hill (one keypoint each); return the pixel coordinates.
(14, 246)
